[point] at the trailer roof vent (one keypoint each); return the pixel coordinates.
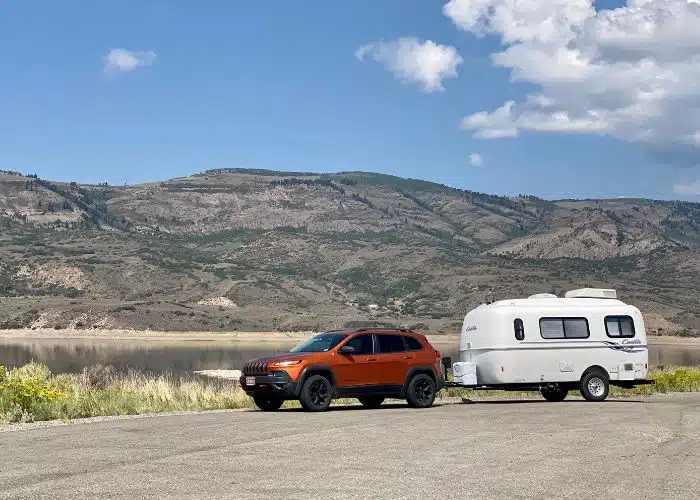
(543, 296)
(592, 293)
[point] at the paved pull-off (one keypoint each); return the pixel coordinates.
(617, 449)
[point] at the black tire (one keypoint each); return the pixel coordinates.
(421, 391)
(268, 403)
(595, 385)
(371, 401)
(316, 393)
(554, 394)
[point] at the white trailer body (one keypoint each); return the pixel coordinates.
(550, 342)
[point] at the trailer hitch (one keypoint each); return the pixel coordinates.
(446, 365)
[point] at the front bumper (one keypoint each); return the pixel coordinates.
(278, 384)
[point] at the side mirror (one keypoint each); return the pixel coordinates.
(347, 349)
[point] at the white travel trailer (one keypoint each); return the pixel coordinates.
(587, 340)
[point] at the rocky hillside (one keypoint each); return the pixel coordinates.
(248, 249)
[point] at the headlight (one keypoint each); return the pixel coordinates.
(287, 363)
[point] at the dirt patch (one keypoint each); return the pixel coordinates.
(218, 302)
(54, 275)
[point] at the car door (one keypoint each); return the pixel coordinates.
(359, 368)
(393, 360)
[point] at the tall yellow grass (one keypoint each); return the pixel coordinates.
(31, 392)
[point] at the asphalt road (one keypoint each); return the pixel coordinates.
(616, 449)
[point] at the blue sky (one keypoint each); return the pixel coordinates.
(278, 85)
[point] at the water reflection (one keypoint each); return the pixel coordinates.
(71, 355)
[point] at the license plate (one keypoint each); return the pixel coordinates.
(250, 381)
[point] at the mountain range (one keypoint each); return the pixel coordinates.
(242, 249)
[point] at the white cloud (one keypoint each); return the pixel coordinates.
(693, 188)
(630, 72)
(120, 60)
(476, 160)
(411, 60)
(494, 125)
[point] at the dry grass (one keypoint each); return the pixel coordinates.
(101, 391)
(32, 393)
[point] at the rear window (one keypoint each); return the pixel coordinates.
(413, 344)
(390, 343)
(619, 326)
(564, 328)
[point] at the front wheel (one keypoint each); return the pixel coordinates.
(316, 393)
(371, 401)
(268, 403)
(595, 386)
(554, 394)
(421, 391)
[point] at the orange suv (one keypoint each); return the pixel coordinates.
(369, 364)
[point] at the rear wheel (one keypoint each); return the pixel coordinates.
(554, 393)
(595, 385)
(421, 391)
(371, 401)
(268, 403)
(316, 393)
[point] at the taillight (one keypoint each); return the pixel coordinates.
(645, 366)
(437, 353)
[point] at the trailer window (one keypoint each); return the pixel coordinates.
(619, 326)
(552, 328)
(564, 328)
(519, 329)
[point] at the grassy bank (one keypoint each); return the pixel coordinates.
(33, 393)
(673, 379)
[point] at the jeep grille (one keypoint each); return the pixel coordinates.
(255, 368)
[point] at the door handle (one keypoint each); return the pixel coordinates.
(371, 359)
(408, 357)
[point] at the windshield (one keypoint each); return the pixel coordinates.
(321, 343)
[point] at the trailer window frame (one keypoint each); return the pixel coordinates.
(563, 327)
(519, 328)
(619, 319)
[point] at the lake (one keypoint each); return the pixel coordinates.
(72, 355)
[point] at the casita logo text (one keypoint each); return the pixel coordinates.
(634, 341)
(470, 328)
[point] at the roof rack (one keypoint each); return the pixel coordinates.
(385, 329)
(592, 293)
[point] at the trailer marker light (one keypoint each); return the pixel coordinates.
(502, 369)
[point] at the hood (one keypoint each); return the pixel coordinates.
(284, 356)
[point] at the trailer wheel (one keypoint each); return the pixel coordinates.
(595, 385)
(554, 394)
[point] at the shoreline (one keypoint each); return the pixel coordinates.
(242, 337)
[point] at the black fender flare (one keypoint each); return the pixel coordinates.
(314, 370)
(428, 370)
